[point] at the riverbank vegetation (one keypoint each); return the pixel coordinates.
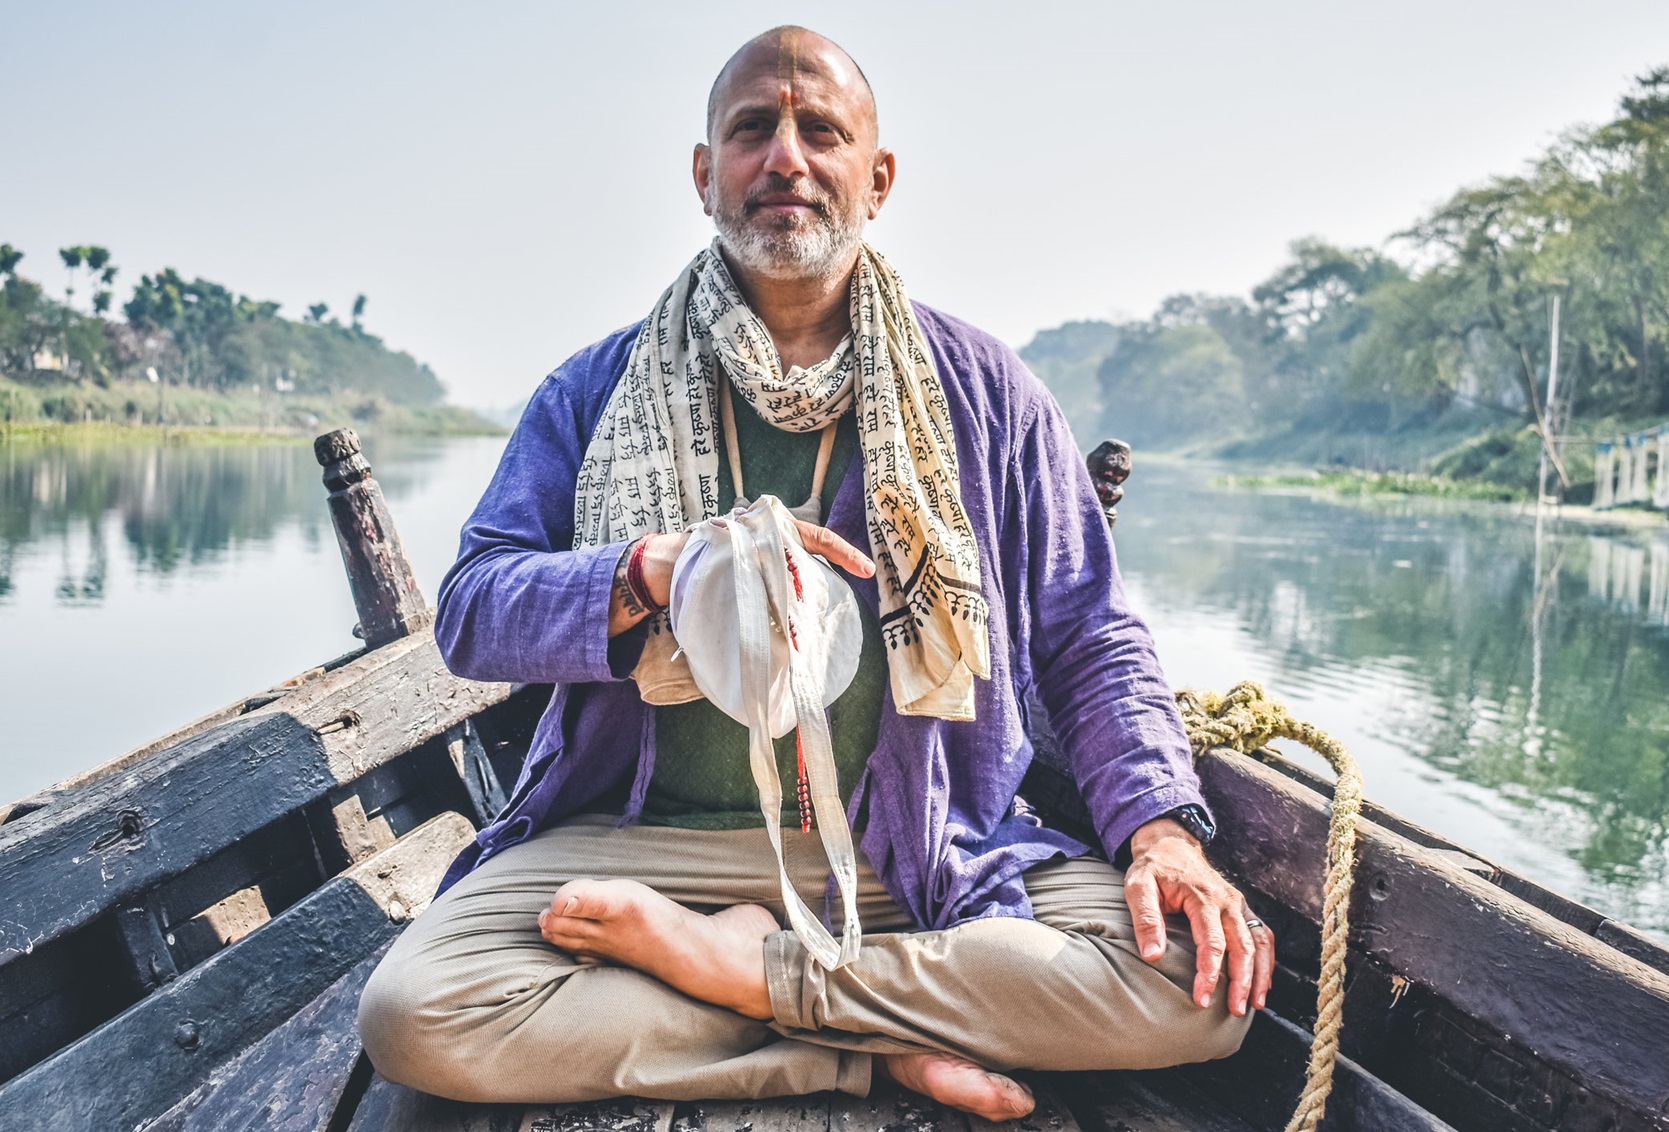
(1357, 481)
(192, 353)
(1429, 354)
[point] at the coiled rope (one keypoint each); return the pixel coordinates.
(1245, 720)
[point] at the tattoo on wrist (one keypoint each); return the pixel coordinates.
(623, 590)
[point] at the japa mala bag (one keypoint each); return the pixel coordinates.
(772, 636)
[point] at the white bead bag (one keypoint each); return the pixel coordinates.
(772, 636)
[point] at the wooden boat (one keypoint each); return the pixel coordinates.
(184, 931)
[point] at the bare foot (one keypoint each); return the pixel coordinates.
(718, 959)
(960, 1084)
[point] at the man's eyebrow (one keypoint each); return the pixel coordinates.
(802, 109)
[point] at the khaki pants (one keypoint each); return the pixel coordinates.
(472, 1003)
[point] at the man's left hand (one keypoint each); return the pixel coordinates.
(1169, 873)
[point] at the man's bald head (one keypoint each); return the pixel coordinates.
(783, 50)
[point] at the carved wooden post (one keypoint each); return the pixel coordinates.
(385, 590)
(1109, 467)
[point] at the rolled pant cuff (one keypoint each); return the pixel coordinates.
(856, 1073)
(787, 967)
(790, 977)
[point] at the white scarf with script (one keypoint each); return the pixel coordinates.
(652, 465)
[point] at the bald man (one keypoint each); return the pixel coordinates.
(619, 929)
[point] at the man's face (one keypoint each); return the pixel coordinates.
(792, 172)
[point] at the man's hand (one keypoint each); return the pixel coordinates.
(1169, 873)
(662, 554)
(840, 553)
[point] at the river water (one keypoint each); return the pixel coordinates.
(1521, 711)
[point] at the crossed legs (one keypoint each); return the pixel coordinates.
(475, 1002)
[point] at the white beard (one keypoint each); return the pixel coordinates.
(824, 249)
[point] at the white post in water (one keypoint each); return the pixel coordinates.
(1660, 496)
(1550, 416)
(1545, 586)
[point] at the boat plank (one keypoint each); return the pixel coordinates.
(622, 1114)
(1052, 1113)
(293, 1079)
(779, 1114)
(1262, 1083)
(149, 1057)
(891, 1109)
(1621, 936)
(65, 866)
(1154, 1101)
(1578, 1004)
(387, 1107)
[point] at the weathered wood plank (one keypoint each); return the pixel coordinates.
(53, 795)
(293, 1079)
(475, 770)
(52, 997)
(891, 1109)
(1580, 1005)
(1624, 938)
(624, 1114)
(778, 1114)
(385, 589)
(146, 1059)
(1152, 1101)
(387, 1107)
(118, 837)
(1633, 942)
(1263, 1081)
(1051, 1114)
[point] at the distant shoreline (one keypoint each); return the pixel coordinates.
(1354, 483)
(89, 433)
(141, 412)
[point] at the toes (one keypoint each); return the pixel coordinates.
(582, 900)
(1017, 1100)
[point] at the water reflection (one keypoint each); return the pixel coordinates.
(1504, 690)
(174, 507)
(1454, 650)
(141, 587)
(1633, 579)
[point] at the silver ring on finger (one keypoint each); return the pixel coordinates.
(1253, 924)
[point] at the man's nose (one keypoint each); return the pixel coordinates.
(786, 157)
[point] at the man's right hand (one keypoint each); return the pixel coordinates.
(662, 553)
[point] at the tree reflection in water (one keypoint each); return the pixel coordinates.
(141, 587)
(173, 506)
(1525, 719)
(1427, 619)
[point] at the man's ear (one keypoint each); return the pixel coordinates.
(881, 180)
(703, 172)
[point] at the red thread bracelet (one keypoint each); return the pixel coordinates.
(634, 577)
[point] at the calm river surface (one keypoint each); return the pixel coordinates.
(141, 587)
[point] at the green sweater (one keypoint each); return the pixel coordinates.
(702, 779)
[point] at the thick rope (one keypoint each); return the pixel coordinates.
(1245, 720)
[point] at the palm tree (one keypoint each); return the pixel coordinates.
(72, 258)
(98, 259)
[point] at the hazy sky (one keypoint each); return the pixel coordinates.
(507, 182)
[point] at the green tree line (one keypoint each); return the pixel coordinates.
(193, 333)
(1444, 332)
